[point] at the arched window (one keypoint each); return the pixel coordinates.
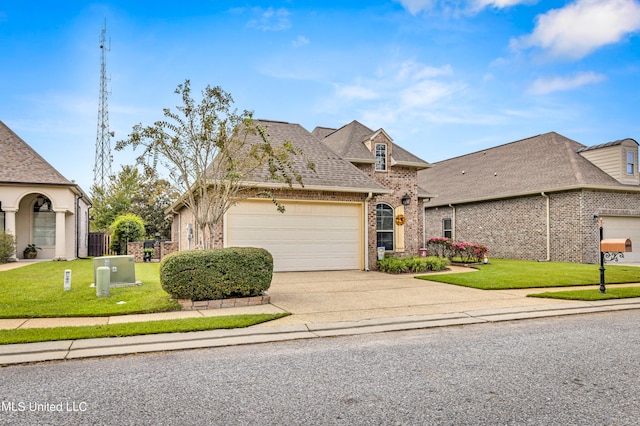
(384, 226)
(44, 222)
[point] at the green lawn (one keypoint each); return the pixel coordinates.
(591, 294)
(36, 291)
(510, 274)
(30, 335)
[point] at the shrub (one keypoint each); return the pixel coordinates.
(469, 252)
(392, 265)
(7, 247)
(416, 264)
(217, 274)
(440, 247)
(435, 263)
(126, 228)
(464, 251)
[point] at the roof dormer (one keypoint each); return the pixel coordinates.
(619, 159)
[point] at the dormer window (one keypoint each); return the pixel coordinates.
(381, 157)
(631, 161)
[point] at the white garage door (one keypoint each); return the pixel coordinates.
(306, 237)
(624, 227)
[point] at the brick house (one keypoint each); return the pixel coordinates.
(539, 198)
(38, 205)
(347, 208)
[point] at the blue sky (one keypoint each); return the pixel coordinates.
(443, 78)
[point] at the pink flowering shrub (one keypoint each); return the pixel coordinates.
(463, 251)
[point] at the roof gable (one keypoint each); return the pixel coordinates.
(541, 163)
(19, 163)
(353, 143)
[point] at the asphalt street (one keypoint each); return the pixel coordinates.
(580, 369)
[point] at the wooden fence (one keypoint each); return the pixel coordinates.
(99, 244)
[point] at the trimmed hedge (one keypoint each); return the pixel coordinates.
(217, 274)
(396, 265)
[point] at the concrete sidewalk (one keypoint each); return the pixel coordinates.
(322, 304)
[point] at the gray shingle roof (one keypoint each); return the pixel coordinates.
(349, 143)
(322, 132)
(19, 163)
(331, 171)
(402, 157)
(545, 162)
(603, 145)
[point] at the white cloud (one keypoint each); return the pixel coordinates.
(416, 6)
(300, 41)
(270, 19)
(414, 71)
(556, 84)
(471, 6)
(399, 92)
(356, 92)
(499, 4)
(582, 27)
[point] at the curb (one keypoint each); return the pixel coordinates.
(89, 348)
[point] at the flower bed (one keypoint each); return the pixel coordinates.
(464, 251)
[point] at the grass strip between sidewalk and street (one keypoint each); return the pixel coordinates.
(591, 294)
(502, 274)
(32, 335)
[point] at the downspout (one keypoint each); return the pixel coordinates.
(453, 222)
(424, 223)
(77, 213)
(366, 231)
(548, 228)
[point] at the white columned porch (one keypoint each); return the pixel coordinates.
(10, 228)
(61, 232)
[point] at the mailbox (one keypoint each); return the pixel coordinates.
(620, 245)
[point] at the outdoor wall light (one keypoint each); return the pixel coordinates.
(406, 200)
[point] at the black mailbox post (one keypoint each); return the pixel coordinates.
(612, 249)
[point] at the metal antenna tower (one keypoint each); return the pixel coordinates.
(102, 165)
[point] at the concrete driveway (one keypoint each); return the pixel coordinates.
(336, 296)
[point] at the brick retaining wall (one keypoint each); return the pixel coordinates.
(189, 305)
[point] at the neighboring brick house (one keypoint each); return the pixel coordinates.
(38, 205)
(347, 208)
(538, 198)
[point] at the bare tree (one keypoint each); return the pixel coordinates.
(213, 155)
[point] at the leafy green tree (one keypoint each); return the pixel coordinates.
(150, 202)
(125, 229)
(212, 152)
(130, 191)
(115, 199)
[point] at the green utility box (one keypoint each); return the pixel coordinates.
(102, 281)
(122, 269)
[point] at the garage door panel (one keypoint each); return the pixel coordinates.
(624, 227)
(306, 237)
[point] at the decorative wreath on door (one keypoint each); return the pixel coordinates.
(401, 220)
